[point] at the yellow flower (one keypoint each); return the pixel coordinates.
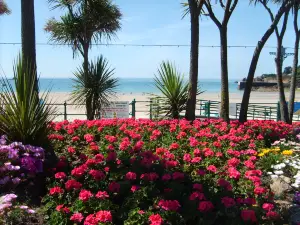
(287, 152)
(277, 149)
(261, 154)
(265, 151)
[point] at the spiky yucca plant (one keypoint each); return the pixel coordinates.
(174, 90)
(23, 116)
(96, 89)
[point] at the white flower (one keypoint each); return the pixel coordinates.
(295, 185)
(274, 176)
(278, 172)
(269, 173)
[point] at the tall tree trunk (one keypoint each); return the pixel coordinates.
(224, 75)
(193, 79)
(28, 36)
(253, 65)
(282, 101)
(88, 103)
(295, 67)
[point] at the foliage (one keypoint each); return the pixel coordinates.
(18, 164)
(97, 88)
(13, 214)
(3, 8)
(174, 90)
(165, 172)
(84, 23)
(23, 116)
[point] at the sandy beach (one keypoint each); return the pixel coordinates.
(142, 105)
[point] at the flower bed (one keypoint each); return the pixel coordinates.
(166, 172)
(18, 163)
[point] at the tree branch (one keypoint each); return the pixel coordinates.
(284, 24)
(222, 4)
(271, 16)
(212, 15)
(227, 13)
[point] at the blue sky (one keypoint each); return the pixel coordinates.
(149, 22)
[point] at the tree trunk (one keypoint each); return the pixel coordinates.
(193, 79)
(295, 67)
(282, 101)
(28, 36)
(88, 103)
(224, 114)
(253, 65)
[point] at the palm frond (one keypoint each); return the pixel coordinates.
(173, 88)
(98, 88)
(4, 8)
(23, 116)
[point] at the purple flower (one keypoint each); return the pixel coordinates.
(4, 180)
(16, 180)
(28, 163)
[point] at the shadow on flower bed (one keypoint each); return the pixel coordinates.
(166, 172)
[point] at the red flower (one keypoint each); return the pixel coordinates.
(134, 188)
(91, 220)
(85, 195)
(169, 205)
(60, 175)
(205, 206)
(259, 190)
(196, 160)
(178, 176)
(97, 175)
(198, 187)
(233, 173)
(130, 176)
(71, 150)
(59, 207)
(56, 190)
(79, 171)
(72, 184)
(141, 212)
(272, 215)
(111, 139)
(212, 168)
(248, 215)
(155, 219)
(174, 146)
(99, 158)
(77, 217)
(166, 177)
(89, 137)
(104, 216)
(114, 187)
(233, 162)
(197, 195)
(268, 206)
(75, 138)
(228, 202)
(102, 195)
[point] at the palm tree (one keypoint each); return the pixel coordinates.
(285, 5)
(228, 8)
(295, 63)
(28, 35)
(3, 8)
(86, 21)
(194, 9)
(95, 89)
(23, 117)
(174, 91)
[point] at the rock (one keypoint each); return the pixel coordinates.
(280, 185)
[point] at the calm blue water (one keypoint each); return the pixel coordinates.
(131, 85)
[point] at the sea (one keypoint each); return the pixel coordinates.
(132, 85)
